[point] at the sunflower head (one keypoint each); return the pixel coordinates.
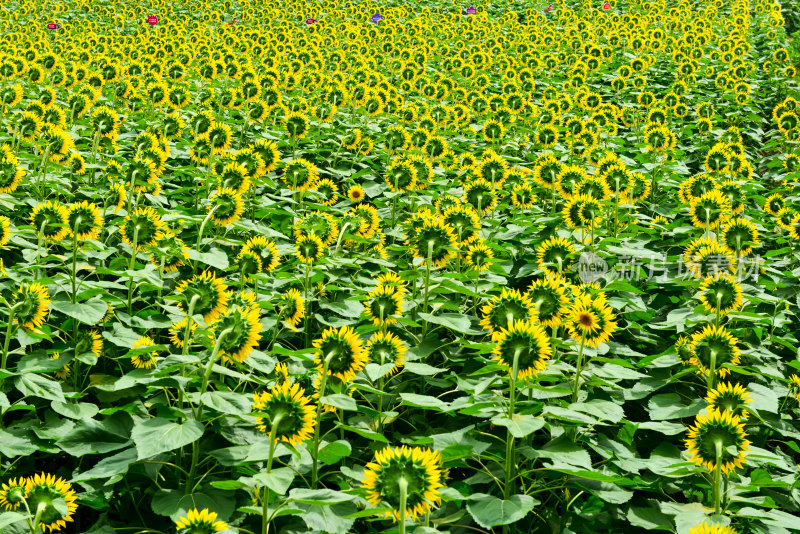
(523, 345)
(343, 351)
(13, 493)
(199, 522)
(718, 436)
(32, 303)
(504, 310)
(142, 357)
(300, 175)
(241, 326)
(50, 218)
(417, 471)
(288, 413)
(478, 257)
(385, 348)
(555, 256)
(293, 307)
(204, 294)
(591, 320)
(143, 227)
(721, 294)
(84, 220)
(705, 528)
(713, 347)
(225, 206)
(42, 492)
(435, 240)
(549, 299)
(729, 397)
(382, 304)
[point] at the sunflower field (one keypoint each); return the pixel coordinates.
(374, 266)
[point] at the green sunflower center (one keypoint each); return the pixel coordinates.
(47, 497)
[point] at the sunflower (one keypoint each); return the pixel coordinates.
(225, 206)
(522, 196)
(740, 235)
(248, 263)
(105, 121)
(5, 230)
(710, 209)
(729, 397)
(296, 125)
(434, 240)
(391, 279)
(42, 490)
(219, 136)
(289, 414)
(170, 250)
(705, 528)
(144, 359)
(352, 139)
(555, 256)
(200, 522)
(209, 294)
(309, 248)
(49, 219)
(591, 320)
(356, 194)
(265, 250)
(143, 227)
(721, 294)
(582, 211)
(13, 493)
(382, 303)
(299, 174)
(32, 303)
(718, 436)
(84, 220)
(480, 195)
(465, 222)
(244, 331)
(478, 256)
(416, 469)
(505, 309)
(386, 348)
(713, 347)
(328, 189)
(88, 341)
(323, 225)
(709, 258)
(342, 350)
(11, 172)
(233, 176)
(401, 175)
(29, 126)
(525, 344)
(293, 307)
(549, 300)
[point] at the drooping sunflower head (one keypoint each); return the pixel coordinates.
(234, 176)
(385, 348)
(300, 175)
(729, 397)
(465, 222)
(740, 235)
(706, 528)
(555, 256)
(248, 263)
(434, 240)
(710, 210)
(721, 294)
(143, 227)
(523, 197)
(199, 522)
(43, 490)
(13, 493)
(225, 206)
(219, 136)
(309, 248)
(293, 307)
(323, 225)
(343, 351)
(401, 175)
(714, 346)
(505, 309)
(288, 413)
(5, 230)
(718, 436)
(239, 329)
(523, 345)
(84, 220)
(169, 252)
(88, 341)
(204, 294)
(549, 299)
(296, 125)
(143, 357)
(328, 190)
(582, 211)
(50, 219)
(32, 303)
(382, 304)
(709, 258)
(265, 250)
(478, 256)
(417, 470)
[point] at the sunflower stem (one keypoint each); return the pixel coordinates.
(512, 399)
(9, 327)
(427, 283)
(308, 304)
(576, 386)
(203, 228)
(43, 174)
(265, 503)
(131, 267)
(37, 518)
(717, 470)
(186, 331)
(402, 484)
(199, 413)
(323, 381)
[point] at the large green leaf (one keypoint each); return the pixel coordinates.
(489, 511)
(157, 435)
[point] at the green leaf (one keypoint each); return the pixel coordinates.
(424, 401)
(9, 518)
(453, 321)
(332, 519)
(33, 385)
(278, 480)
(80, 410)
(333, 452)
(214, 257)
(226, 402)
(158, 435)
(489, 511)
(422, 369)
(521, 425)
(649, 518)
(319, 496)
(364, 433)
(116, 464)
(339, 400)
(15, 445)
(90, 312)
(90, 436)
